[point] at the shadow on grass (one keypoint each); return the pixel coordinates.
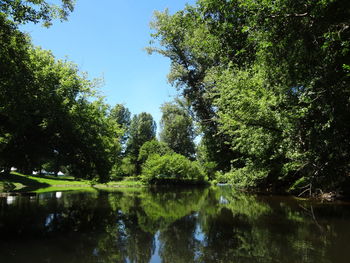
(29, 184)
(52, 177)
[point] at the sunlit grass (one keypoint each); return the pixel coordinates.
(40, 184)
(63, 189)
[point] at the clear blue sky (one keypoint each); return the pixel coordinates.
(106, 39)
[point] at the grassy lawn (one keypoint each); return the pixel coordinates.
(35, 183)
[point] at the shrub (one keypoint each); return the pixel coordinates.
(172, 168)
(221, 177)
(246, 177)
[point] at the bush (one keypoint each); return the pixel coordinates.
(172, 168)
(221, 177)
(246, 177)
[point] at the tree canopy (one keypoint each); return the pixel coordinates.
(49, 112)
(142, 129)
(23, 11)
(269, 79)
(267, 83)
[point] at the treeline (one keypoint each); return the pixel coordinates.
(268, 82)
(49, 115)
(171, 159)
(52, 118)
(265, 85)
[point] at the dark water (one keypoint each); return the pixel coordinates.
(184, 226)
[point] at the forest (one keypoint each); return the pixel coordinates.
(264, 100)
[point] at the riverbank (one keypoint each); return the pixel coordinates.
(17, 182)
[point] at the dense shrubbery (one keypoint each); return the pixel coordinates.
(172, 168)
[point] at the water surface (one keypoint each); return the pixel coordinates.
(175, 226)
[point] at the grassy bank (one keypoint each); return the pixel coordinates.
(32, 183)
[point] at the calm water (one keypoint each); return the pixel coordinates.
(184, 226)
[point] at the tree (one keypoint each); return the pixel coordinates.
(23, 11)
(268, 79)
(122, 116)
(49, 113)
(152, 147)
(196, 39)
(14, 72)
(142, 129)
(177, 129)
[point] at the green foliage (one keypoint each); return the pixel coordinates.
(172, 168)
(259, 131)
(142, 129)
(23, 11)
(187, 40)
(122, 116)
(126, 167)
(220, 177)
(270, 81)
(177, 129)
(153, 147)
(49, 112)
(248, 177)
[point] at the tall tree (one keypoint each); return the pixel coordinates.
(177, 129)
(142, 129)
(48, 112)
(197, 39)
(122, 116)
(269, 79)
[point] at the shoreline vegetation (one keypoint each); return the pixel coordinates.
(17, 183)
(263, 103)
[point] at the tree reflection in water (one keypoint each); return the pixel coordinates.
(167, 225)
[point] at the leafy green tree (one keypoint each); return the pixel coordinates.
(314, 81)
(14, 57)
(122, 116)
(153, 147)
(142, 129)
(268, 79)
(197, 39)
(177, 129)
(23, 11)
(95, 139)
(49, 112)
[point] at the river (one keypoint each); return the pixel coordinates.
(171, 226)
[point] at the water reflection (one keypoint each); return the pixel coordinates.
(10, 199)
(188, 225)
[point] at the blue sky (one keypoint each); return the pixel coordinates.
(106, 39)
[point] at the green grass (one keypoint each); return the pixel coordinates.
(61, 189)
(34, 183)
